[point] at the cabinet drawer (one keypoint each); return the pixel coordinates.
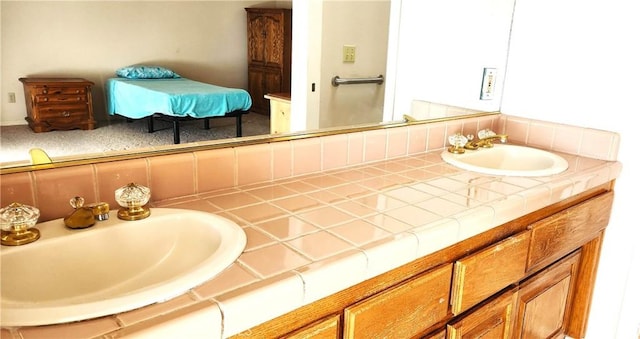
(327, 328)
(479, 275)
(59, 90)
(494, 319)
(60, 98)
(64, 112)
(561, 233)
(402, 311)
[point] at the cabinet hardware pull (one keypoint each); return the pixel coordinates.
(66, 114)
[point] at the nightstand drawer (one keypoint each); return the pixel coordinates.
(482, 274)
(60, 98)
(65, 112)
(52, 90)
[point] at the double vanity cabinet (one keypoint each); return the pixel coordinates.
(531, 277)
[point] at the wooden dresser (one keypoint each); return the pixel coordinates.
(58, 103)
(269, 54)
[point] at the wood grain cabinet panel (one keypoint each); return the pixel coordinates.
(559, 234)
(58, 103)
(442, 334)
(403, 311)
(544, 300)
(268, 54)
(280, 112)
(327, 328)
(484, 273)
(492, 320)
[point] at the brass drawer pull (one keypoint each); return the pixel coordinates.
(66, 114)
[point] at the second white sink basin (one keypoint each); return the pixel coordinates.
(114, 266)
(509, 160)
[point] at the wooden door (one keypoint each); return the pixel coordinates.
(544, 301)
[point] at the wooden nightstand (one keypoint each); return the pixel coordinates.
(58, 103)
(280, 112)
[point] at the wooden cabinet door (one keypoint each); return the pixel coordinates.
(262, 82)
(492, 320)
(486, 272)
(403, 311)
(544, 301)
(266, 32)
(557, 235)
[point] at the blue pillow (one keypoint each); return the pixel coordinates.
(146, 72)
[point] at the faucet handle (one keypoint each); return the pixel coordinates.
(485, 133)
(457, 142)
(76, 202)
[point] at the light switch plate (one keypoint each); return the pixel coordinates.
(348, 53)
(488, 84)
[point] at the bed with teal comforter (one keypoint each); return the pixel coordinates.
(175, 99)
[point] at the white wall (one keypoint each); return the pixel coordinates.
(443, 48)
(577, 62)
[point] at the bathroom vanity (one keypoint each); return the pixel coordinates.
(529, 278)
(396, 242)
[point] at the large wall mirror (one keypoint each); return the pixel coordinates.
(429, 52)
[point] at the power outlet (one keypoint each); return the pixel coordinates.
(348, 53)
(12, 98)
(488, 84)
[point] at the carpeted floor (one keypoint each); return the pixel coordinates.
(15, 141)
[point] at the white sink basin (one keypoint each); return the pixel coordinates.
(114, 266)
(509, 160)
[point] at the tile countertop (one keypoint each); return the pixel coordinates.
(352, 223)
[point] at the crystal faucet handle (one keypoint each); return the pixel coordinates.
(17, 223)
(132, 195)
(457, 140)
(76, 202)
(132, 199)
(486, 133)
(18, 217)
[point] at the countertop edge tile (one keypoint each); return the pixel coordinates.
(350, 268)
(274, 296)
(404, 249)
(436, 236)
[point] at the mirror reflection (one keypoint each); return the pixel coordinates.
(431, 55)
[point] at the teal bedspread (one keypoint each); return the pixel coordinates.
(139, 98)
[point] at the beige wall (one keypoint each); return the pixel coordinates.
(364, 24)
(202, 40)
